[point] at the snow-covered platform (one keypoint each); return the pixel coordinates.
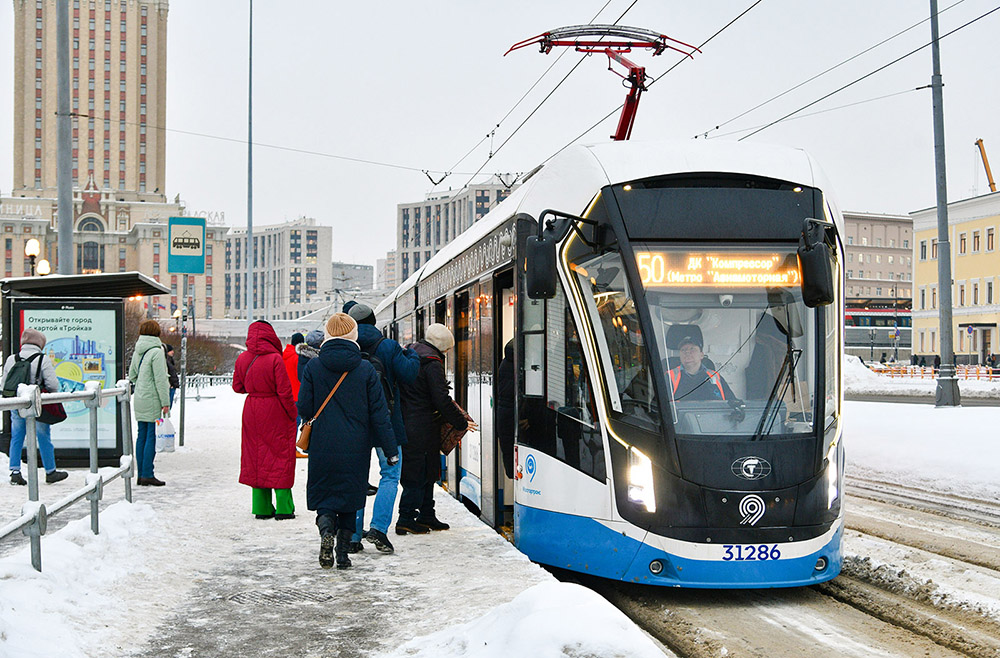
(186, 570)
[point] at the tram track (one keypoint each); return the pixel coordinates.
(948, 505)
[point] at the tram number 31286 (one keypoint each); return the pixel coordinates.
(740, 552)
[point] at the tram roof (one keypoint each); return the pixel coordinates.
(569, 181)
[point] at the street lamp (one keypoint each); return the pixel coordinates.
(44, 268)
(31, 249)
(871, 335)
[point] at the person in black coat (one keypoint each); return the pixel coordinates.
(505, 420)
(354, 421)
(426, 406)
(175, 381)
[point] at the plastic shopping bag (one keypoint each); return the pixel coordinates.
(165, 435)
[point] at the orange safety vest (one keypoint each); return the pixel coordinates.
(713, 376)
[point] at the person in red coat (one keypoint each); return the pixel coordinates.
(291, 359)
(267, 458)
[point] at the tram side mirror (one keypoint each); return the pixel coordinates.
(816, 263)
(540, 264)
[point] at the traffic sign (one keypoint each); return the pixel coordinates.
(970, 331)
(186, 245)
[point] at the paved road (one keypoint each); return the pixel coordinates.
(921, 399)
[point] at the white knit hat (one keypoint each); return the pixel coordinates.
(341, 325)
(440, 337)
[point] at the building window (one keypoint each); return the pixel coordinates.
(923, 299)
(933, 248)
(906, 244)
(961, 243)
(989, 239)
(989, 292)
(933, 299)
(975, 294)
(961, 295)
(975, 242)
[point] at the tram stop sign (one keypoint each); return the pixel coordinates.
(186, 250)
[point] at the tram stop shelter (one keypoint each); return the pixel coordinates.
(83, 320)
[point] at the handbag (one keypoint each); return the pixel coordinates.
(451, 437)
(52, 413)
(303, 442)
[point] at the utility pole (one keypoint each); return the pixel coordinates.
(64, 152)
(947, 393)
(250, 252)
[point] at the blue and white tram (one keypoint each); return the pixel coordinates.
(677, 327)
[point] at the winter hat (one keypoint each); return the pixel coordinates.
(362, 314)
(298, 338)
(440, 337)
(32, 337)
(349, 305)
(314, 338)
(341, 325)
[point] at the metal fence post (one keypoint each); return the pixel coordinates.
(35, 530)
(93, 403)
(125, 416)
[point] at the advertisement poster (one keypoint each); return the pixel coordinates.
(82, 341)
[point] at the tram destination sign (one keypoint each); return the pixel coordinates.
(489, 253)
(685, 268)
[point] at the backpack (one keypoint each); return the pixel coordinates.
(20, 373)
(383, 372)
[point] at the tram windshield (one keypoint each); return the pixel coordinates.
(731, 337)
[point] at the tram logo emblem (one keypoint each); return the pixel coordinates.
(529, 466)
(751, 468)
(752, 508)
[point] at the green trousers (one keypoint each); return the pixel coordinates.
(282, 502)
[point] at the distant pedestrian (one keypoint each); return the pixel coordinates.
(39, 371)
(354, 421)
(267, 456)
(151, 400)
(308, 350)
(291, 359)
(427, 404)
(937, 362)
(400, 367)
(172, 376)
(883, 359)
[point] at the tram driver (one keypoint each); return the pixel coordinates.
(692, 380)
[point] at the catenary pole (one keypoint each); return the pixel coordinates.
(64, 146)
(249, 254)
(947, 393)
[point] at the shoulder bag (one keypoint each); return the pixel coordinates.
(303, 442)
(54, 412)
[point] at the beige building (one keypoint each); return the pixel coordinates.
(879, 257)
(118, 73)
(424, 227)
(972, 232)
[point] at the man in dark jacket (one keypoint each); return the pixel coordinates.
(505, 422)
(175, 381)
(401, 367)
(426, 404)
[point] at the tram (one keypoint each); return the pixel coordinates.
(616, 271)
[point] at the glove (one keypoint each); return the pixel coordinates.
(392, 461)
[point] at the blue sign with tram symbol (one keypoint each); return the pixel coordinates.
(186, 245)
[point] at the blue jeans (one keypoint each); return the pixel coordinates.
(145, 448)
(172, 396)
(385, 499)
(43, 432)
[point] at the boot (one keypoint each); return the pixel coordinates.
(432, 522)
(326, 524)
(343, 545)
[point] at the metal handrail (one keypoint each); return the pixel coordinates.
(34, 514)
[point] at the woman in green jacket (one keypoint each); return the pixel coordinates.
(151, 400)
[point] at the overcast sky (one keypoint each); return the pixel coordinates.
(419, 84)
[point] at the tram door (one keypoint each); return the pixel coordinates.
(466, 393)
(485, 436)
(503, 321)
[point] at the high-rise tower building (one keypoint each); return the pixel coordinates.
(118, 73)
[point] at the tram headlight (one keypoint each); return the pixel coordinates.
(832, 480)
(640, 480)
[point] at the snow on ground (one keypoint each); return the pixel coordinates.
(169, 575)
(859, 380)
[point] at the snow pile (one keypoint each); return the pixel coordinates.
(860, 380)
(948, 449)
(547, 620)
(65, 610)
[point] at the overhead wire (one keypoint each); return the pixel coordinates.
(676, 64)
(869, 74)
(544, 100)
(822, 73)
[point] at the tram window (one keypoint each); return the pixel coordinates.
(610, 305)
(564, 424)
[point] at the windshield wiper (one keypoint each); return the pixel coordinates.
(781, 383)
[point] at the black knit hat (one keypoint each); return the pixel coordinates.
(298, 338)
(362, 314)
